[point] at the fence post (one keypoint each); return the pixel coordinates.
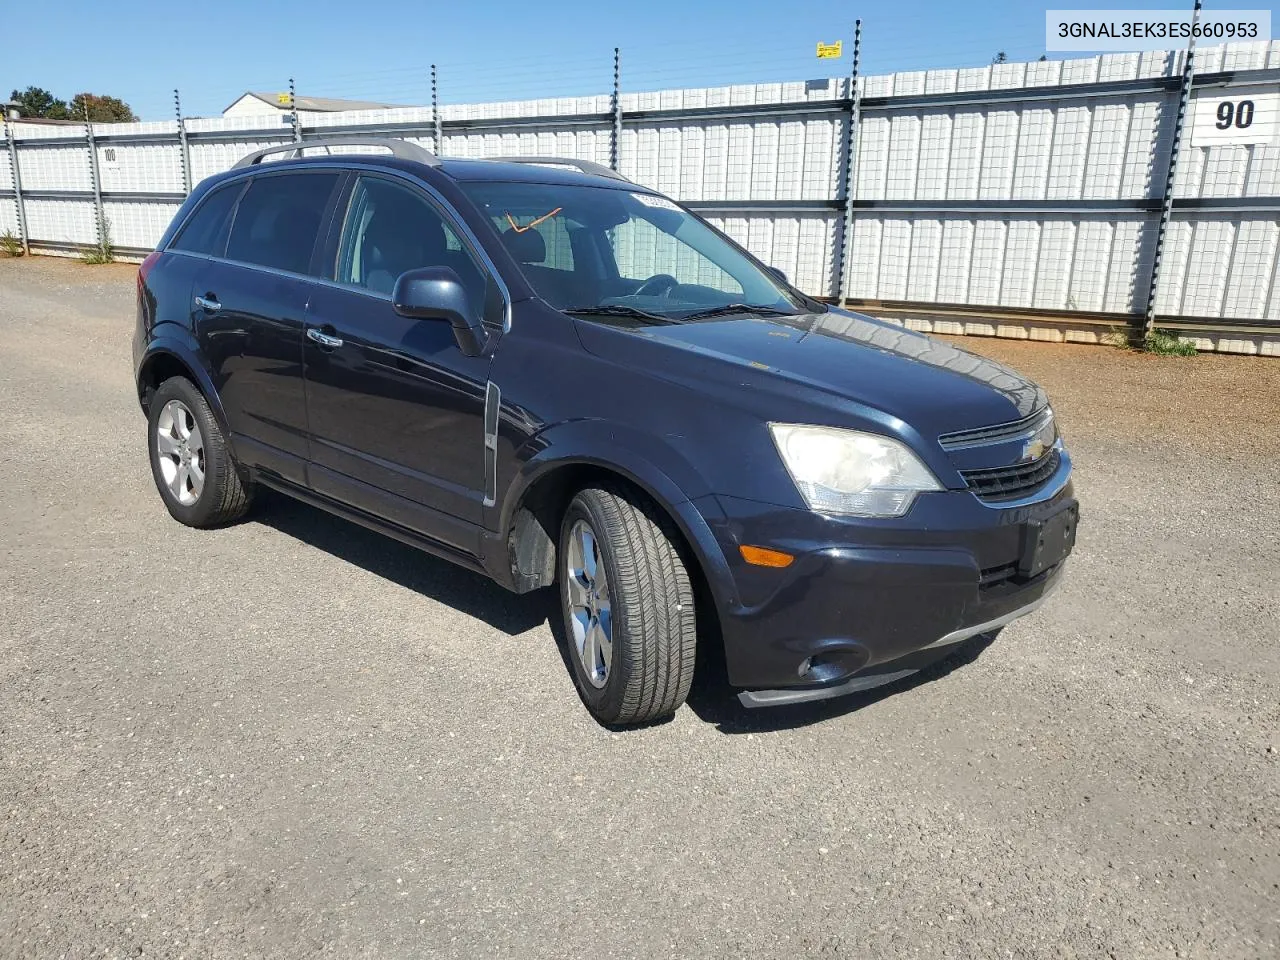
(100, 218)
(435, 112)
(17, 187)
(845, 254)
(293, 113)
(1166, 207)
(184, 153)
(615, 142)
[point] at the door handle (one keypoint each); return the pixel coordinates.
(323, 338)
(209, 303)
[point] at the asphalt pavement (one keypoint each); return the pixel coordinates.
(293, 737)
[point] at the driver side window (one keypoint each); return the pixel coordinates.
(641, 250)
(389, 229)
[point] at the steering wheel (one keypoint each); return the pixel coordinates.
(659, 285)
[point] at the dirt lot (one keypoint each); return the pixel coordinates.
(293, 737)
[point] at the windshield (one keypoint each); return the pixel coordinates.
(626, 253)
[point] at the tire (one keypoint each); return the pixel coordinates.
(644, 608)
(197, 478)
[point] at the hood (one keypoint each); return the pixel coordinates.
(932, 386)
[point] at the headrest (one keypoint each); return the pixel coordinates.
(527, 245)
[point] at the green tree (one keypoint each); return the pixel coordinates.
(100, 109)
(39, 102)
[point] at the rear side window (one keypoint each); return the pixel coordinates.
(206, 231)
(278, 219)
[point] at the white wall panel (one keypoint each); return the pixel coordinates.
(1129, 266)
(953, 264)
(967, 138)
(999, 150)
(56, 168)
(1255, 257)
(1053, 265)
(1212, 250)
(61, 221)
(133, 224)
(926, 250)
(8, 217)
(1021, 257)
(150, 168)
(986, 262)
(1173, 267)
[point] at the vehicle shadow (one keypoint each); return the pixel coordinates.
(715, 702)
(467, 592)
(711, 698)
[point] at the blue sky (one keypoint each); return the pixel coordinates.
(382, 49)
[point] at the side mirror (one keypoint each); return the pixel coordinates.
(780, 275)
(436, 293)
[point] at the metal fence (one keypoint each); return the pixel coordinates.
(1018, 190)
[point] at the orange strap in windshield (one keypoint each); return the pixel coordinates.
(532, 223)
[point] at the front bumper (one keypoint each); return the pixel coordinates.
(867, 601)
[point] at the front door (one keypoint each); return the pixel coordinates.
(396, 409)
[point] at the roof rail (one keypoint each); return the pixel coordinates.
(586, 166)
(399, 148)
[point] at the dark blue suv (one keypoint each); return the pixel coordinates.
(550, 375)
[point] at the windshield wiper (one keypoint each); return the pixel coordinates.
(618, 310)
(731, 308)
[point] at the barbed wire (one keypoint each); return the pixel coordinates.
(545, 75)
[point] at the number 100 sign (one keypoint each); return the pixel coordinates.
(1239, 115)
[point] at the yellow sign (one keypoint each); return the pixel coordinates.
(830, 51)
(282, 98)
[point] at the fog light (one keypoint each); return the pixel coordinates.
(832, 664)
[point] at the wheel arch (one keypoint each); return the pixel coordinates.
(535, 508)
(170, 357)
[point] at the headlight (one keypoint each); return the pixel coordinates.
(851, 472)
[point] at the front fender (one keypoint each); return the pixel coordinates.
(644, 459)
(171, 341)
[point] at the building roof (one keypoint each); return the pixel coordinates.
(315, 104)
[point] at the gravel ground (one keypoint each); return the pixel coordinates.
(293, 737)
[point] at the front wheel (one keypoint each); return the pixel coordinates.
(628, 607)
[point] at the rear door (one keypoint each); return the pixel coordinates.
(171, 281)
(396, 409)
(250, 307)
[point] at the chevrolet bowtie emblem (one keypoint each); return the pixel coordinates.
(1033, 449)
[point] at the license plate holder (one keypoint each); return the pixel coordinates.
(1046, 541)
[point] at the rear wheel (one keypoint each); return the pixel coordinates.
(190, 459)
(628, 607)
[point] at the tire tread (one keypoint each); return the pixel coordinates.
(655, 595)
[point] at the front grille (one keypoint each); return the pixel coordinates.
(1012, 483)
(1000, 433)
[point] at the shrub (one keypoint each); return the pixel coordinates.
(104, 252)
(1167, 343)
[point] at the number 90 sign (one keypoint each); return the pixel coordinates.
(1228, 117)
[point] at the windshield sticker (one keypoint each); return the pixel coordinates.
(659, 203)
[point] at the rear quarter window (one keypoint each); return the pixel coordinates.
(278, 219)
(206, 230)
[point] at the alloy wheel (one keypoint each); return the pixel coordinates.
(180, 447)
(590, 604)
